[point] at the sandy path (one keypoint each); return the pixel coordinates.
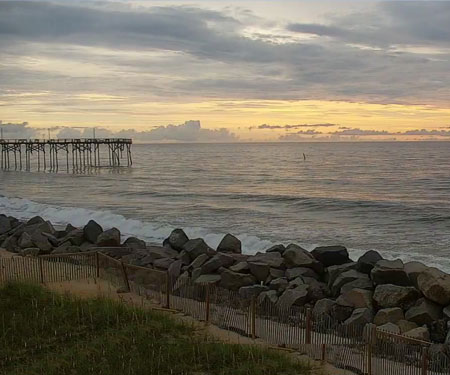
(90, 288)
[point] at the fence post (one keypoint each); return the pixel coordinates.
(253, 317)
(324, 353)
(41, 270)
(97, 264)
(308, 326)
(371, 337)
(424, 361)
(168, 290)
(125, 276)
(207, 302)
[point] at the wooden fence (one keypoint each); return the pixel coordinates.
(361, 349)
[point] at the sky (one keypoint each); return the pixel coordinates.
(226, 71)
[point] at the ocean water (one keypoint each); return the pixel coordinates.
(391, 197)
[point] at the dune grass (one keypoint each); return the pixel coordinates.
(42, 332)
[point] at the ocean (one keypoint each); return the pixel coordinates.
(393, 197)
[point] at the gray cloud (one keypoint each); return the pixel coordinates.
(266, 126)
(21, 130)
(362, 132)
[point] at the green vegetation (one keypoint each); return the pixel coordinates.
(42, 332)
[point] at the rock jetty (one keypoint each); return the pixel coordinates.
(408, 298)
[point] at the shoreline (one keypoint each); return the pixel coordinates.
(404, 298)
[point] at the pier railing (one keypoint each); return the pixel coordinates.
(362, 349)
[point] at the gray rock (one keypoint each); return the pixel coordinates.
(31, 251)
(276, 249)
(207, 279)
(10, 244)
(76, 237)
(25, 241)
(359, 298)
(234, 280)
(35, 220)
(259, 270)
(252, 291)
(135, 243)
(163, 263)
(183, 280)
(279, 285)
(435, 285)
(198, 262)
(367, 261)
(177, 239)
(389, 315)
(390, 272)
(268, 298)
(292, 273)
(334, 271)
(317, 289)
(389, 327)
(290, 297)
(438, 330)
(365, 284)
(174, 269)
(184, 257)
(446, 312)
(405, 326)
(63, 248)
(340, 312)
(92, 230)
(109, 238)
(345, 278)
(41, 242)
(424, 312)
(388, 295)
(323, 307)
(420, 333)
(413, 270)
(5, 225)
(195, 247)
(359, 318)
(240, 267)
(295, 256)
(273, 259)
(275, 273)
(217, 261)
(296, 282)
(331, 255)
(230, 244)
(196, 273)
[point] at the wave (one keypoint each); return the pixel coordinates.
(150, 232)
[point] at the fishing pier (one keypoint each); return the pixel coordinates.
(76, 153)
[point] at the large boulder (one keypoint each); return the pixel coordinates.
(435, 285)
(163, 263)
(259, 270)
(274, 259)
(390, 327)
(184, 257)
(31, 251)
(438, 330)
(341, 312)
(252, 291)
(279, 285)
(413, 270)
(195, 247)
(42, 242)
(420, 333)
(35, 220)
(367, 261)
(359, 298)
(390, 272)
(345, 278)
(109, 238)
(333, 272)
(388, 295)
(5, 224)
(295, 256)
(207, 279)
(323, 308)
(154, 253)
(268, 298)
(358, 284)
(295, 272)
(359, 318)
(424, 312)
(25, 241)
(234, 280)
(75, 237)
(389, 315)
(331, 255)
(174, 269)
(134, 243)
(92, 230)
(405, 325)
(217, 261)
(198, 262)
(290, 297)
(177, 239)
(240, 267)
(230, 244)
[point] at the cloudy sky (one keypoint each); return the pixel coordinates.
(226, 70)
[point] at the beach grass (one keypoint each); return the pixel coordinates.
(42, 332)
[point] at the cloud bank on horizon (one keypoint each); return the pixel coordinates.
(141, 63)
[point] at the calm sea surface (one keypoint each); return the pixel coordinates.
(392, 197)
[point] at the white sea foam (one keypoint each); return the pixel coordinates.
(150, 232)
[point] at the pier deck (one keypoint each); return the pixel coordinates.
(79, 153)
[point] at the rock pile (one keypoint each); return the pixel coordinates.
(410, 298)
